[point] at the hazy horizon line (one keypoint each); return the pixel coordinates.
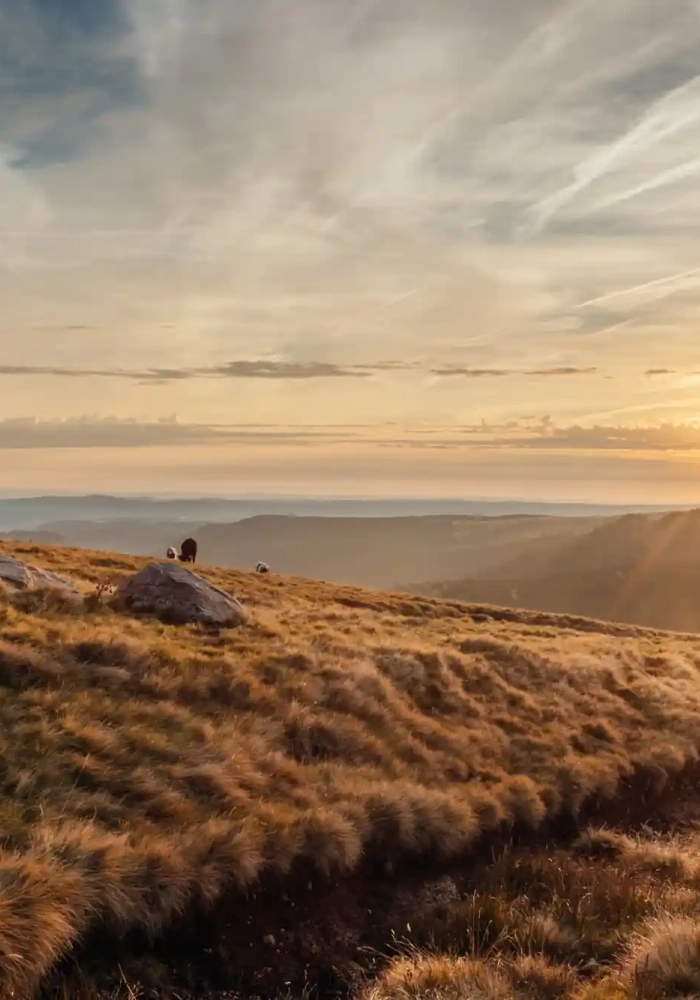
(333, 498)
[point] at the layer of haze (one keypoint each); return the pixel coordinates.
(378, 246)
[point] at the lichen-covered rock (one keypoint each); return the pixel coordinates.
(17, 575)
(177, 596)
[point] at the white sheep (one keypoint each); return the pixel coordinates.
(262, 567)
(171, 553)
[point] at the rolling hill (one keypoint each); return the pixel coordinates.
(642, 569)
(263, 807)
(363, 551)
(383, 552)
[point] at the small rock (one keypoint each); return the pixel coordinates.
(177, 596)
(20, 576)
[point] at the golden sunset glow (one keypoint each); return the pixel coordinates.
(396, 248)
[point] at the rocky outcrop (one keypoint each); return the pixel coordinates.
(177, 596)
(16, 575)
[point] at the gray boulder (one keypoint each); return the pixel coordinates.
(16, 575)
(177, 596)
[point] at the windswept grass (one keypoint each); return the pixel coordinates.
(148, 769)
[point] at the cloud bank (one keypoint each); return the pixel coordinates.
(527, 433)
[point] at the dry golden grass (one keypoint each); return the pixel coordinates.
(560, 923)
(664, 959)
(440, 978)
(148, 768)
(444, 977)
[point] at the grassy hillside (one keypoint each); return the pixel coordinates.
(152, 774)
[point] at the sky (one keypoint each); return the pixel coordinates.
(351, 246)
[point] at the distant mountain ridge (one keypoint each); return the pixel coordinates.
(37, 511)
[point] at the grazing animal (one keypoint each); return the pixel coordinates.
(171, 553)
(262, 567)
(188, 551)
